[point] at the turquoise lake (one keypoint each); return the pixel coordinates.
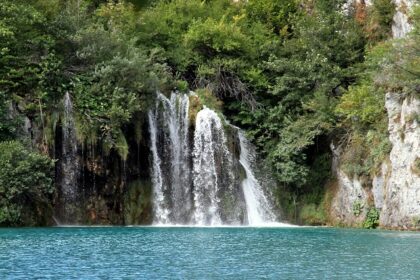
(208, 253)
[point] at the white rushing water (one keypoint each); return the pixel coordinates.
(168, 127)
(201, 186)
(70, 166)
(258, 207)
(160, 210)
(209, 148)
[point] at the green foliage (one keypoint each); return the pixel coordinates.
(362, 113)
(362, 103)
(400, 67)
(372, 218)
(8, 124)
(319, 174)
(28, 64)
(138, 203)
(118, 78)
(210, 44)
(209, 38)
(312, 215)
(357, 208)
(208, 99)
(380, 18)
(22, 43)
(288, 157)
(306, 73)
(26, 180)
(384, 11)
(366, 151)
(276, 15)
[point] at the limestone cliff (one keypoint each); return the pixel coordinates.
(401, 25)
(395, 190)
(401, 184)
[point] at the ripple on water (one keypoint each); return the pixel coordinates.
(208, 253)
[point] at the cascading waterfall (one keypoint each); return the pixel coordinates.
(211, 160)
(258, 207)
(168, 126)
(70, 165)
(160, 209)
(201, 185)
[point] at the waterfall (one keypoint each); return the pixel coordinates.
(70, 166)
(210, 156)
(196, 175)
(258, 207)
(168, 127)
(161, 211)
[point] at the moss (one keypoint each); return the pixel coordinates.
(327, 199)
(138, 127)
(416, 166)
(138, 203)
(209, 100)
(194, 108)
(51, 121)
(86, 132)
(415, 221)
(203, 98)
(286, 201)
(121, 146)
(367, 151)
(414, 116)
(96, 212)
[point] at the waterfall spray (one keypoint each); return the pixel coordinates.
(168, 125)
(258, 207)
(209, 151)
(201, 185)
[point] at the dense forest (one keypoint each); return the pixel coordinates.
(296, 75)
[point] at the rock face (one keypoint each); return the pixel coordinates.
(401, 25)
(401, 205)
(401, 21)
(395, 190)
(349, 205)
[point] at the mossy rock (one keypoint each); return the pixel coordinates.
(208, 99)
(416, 166)
(203, 98)
(194, 108)
(138, 203)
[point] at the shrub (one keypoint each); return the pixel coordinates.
(357, 208)
(372, 218)
(26, 184)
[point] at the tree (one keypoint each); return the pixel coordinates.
(26, 185)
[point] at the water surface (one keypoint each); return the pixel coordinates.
(208, 253)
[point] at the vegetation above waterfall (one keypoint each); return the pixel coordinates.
(296, 75)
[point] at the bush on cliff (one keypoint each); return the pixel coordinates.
(26, 185)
